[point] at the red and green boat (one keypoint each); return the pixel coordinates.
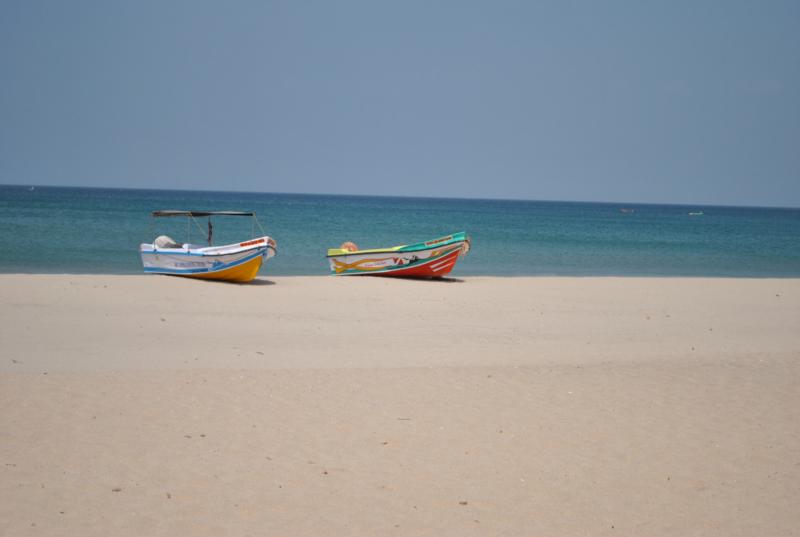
(430, 259)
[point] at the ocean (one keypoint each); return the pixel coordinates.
(97, 230)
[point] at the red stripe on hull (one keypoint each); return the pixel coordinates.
(431, 269)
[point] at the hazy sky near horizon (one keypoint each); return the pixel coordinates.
(638, 101)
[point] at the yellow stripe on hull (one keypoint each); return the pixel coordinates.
(240, 273)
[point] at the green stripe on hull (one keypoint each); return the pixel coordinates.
(427, 245)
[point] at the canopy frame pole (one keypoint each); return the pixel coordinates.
(257, 223)
(189, 227)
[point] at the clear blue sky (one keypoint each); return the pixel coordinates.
(672, 101)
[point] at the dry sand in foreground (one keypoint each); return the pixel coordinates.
(135, 405)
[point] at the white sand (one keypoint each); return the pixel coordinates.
(332, 406)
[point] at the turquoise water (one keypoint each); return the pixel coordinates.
(83, 230)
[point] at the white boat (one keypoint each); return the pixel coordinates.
(237, 262)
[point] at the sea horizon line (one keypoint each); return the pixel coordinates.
(622, 204)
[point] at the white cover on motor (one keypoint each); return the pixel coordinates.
(164, 241)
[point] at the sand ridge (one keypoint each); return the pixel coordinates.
(157, 322)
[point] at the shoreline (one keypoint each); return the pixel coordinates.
(268, 275)
(145, 405)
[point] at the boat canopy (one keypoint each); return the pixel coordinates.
(191, 218)
(202, 213)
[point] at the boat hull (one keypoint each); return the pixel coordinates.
(432, 259)
(233, 262)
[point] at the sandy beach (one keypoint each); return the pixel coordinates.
(295, 406)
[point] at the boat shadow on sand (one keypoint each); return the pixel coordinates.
(255, 282)
(441, 279)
